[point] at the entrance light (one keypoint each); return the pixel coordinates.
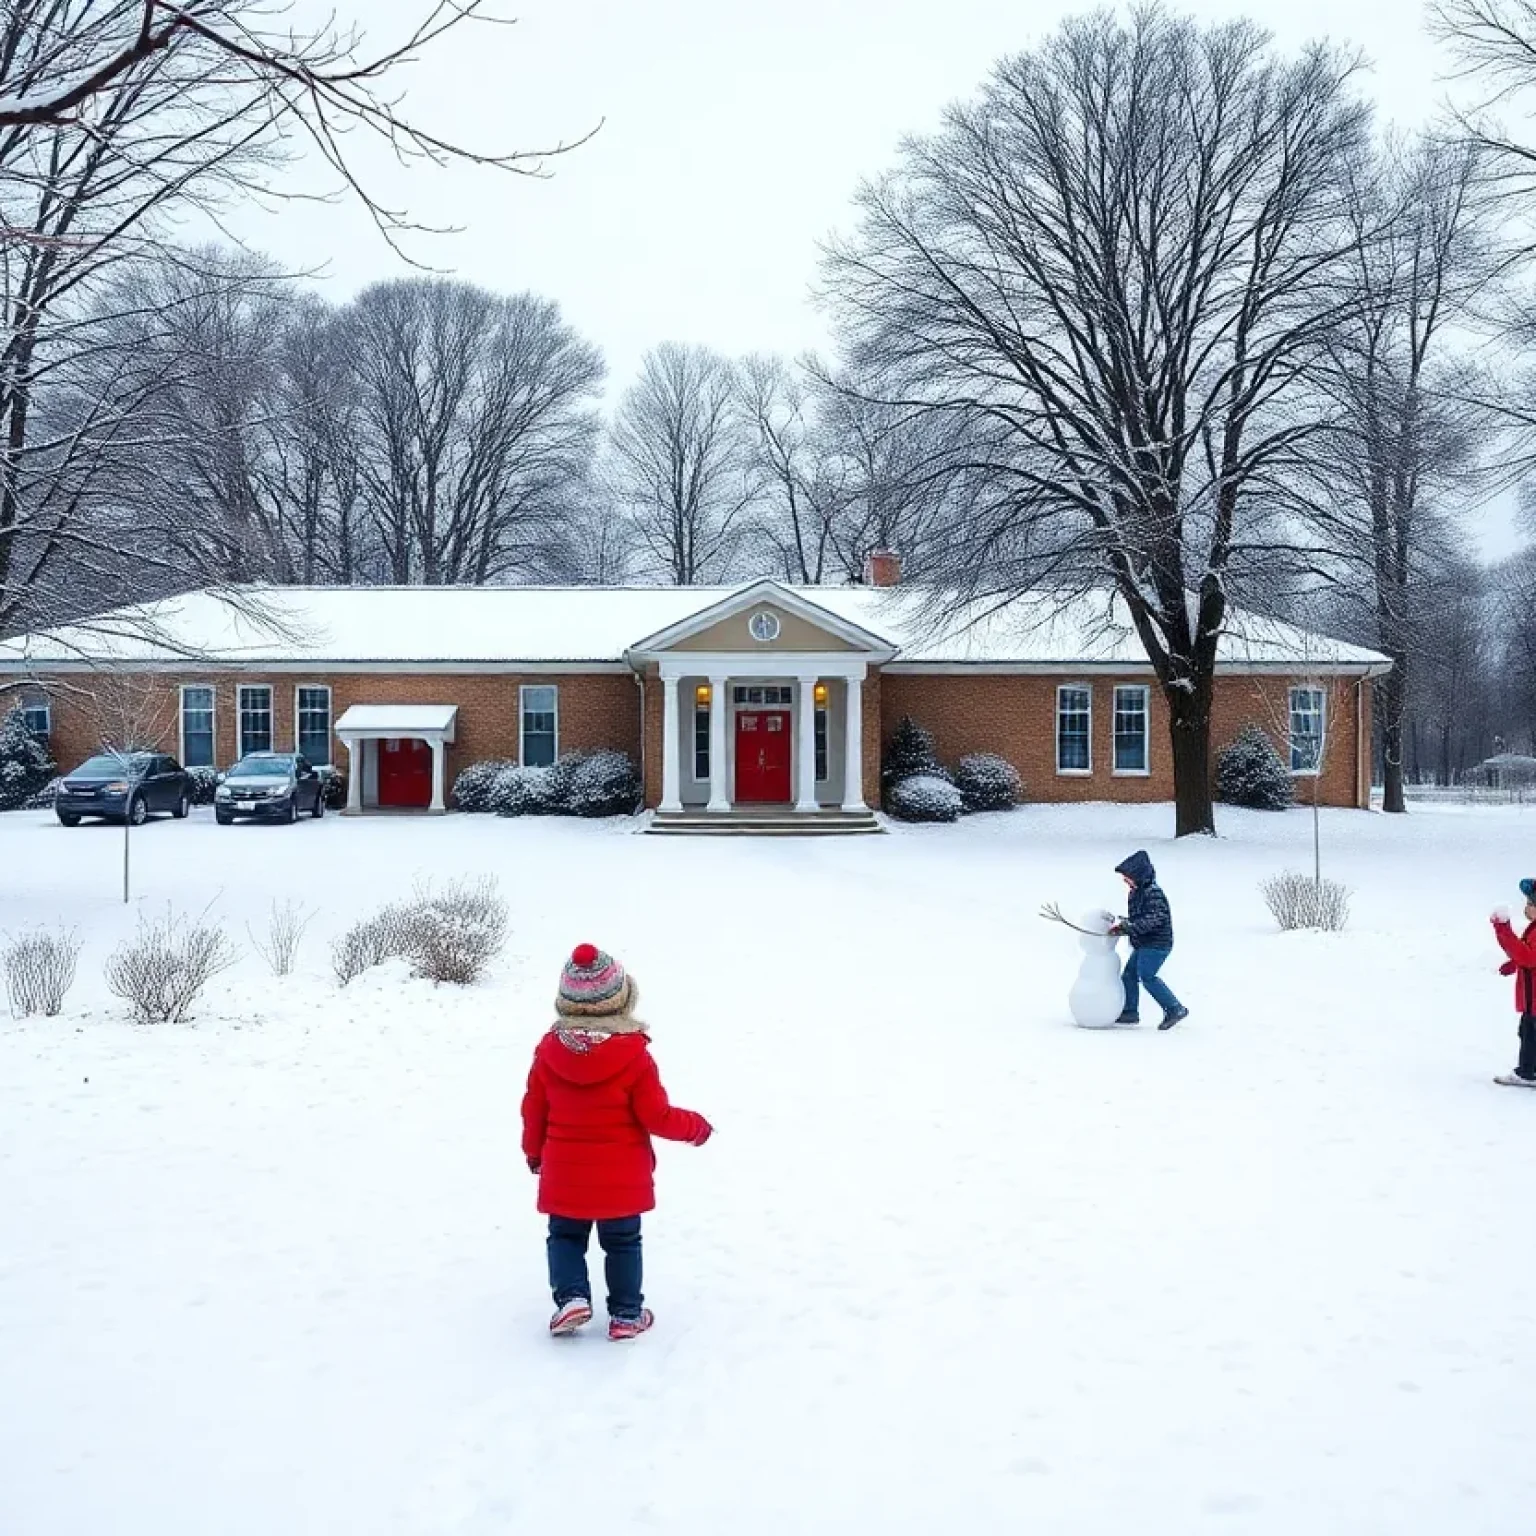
(701, 695)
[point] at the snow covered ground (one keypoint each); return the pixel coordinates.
(950, 1264)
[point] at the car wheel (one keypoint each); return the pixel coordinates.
(292, 814)
(319, 805)
(183, 808)
(223, 818)
(138, 811)
(69, 819)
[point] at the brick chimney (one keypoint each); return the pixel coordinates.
(883, 568)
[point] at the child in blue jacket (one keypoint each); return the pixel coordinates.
(1148, 923)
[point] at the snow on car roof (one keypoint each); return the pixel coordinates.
(402, 625)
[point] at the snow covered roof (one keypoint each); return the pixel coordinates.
(397, 626)
(397, 719)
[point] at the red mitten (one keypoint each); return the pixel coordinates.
(534, 1164)
(705, 1131)
(1508, 968)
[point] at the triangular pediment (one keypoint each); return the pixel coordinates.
(765, 618)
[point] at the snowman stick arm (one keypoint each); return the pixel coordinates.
(1052, 914)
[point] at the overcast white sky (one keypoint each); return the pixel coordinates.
(733, 135)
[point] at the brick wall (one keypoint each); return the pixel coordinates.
(1016, 717)
(595, 709)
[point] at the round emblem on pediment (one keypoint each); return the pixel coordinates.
(763, 626)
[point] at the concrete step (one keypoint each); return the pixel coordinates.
(764, 823)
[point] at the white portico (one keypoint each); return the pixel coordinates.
(762, 705)
(398, 756)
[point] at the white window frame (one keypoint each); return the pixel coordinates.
(31, 706)
(1072, 773)
(240, 692)
(329, 760)
(1290, 729)
(1145, 771)
(522, 717)
(181, 720)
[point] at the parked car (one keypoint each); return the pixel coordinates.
(123, 785)
(269, 786)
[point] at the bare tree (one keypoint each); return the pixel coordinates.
(475, 415)
(1399, 459)
(682, 467)
(67, 66)
(1115, 265)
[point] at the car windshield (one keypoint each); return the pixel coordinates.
(263, 768)
(108, 764)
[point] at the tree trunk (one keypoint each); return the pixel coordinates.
(1189, 718)
(1391, 701)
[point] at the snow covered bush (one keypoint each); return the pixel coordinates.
(334, 788)
(452, 935)
(39, 970)
(26, 769)
(161, 972)
(988, 782)
(44, 798)
(1250, 773)
(475, 787)
(604, 783)
(1304, 901)
(279, 946)
(202, 785)
(910, 754)
(925, 797)
(369, 942)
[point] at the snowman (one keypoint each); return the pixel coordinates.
(1097, 998)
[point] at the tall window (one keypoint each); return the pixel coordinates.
(197, 748)
(1131, 729)
(39, 719)
(701, 737)
(313, 709)
(541, 726)
(1307, 727)
(821, 743)
(255, 718)
(1074, 729)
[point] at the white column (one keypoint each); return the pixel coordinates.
(439, 762)
(853, 747)
(805, 799)
(719, 794)
(671, 779)
(355, 750)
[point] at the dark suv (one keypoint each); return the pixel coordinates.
(269, 786)
(124, 785)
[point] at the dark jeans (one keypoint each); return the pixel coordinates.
(1141, 971)
(620, 1240)
(1527, 1067)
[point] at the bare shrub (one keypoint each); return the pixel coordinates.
(1302, 901)
(39, 970)
(162, 970)
(369, 942)
(453, 935)
(285, 930)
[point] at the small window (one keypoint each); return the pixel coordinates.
(38, 716)
(313, 708)
(541, 726)
(1074, 730)
(255, 719)
(821, 745)
(197, 727)
(1307, 727)
(1131, 729)
(701, 743)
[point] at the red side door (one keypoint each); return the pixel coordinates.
(405, 774)
(762, 757)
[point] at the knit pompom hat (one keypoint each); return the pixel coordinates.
(1528, 889)
(593, 986)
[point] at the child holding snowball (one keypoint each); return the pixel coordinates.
(1520, 950)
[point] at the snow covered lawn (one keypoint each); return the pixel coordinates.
(949, 1265)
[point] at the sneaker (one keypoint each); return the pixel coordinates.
(1514, 1080)
(621, 1328)
(1129, 1018)
(1174, 1016)
(573, 1314)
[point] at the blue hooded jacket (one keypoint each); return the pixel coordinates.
(1148, 918)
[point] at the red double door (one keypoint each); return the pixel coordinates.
(405, 774)
(762, 757)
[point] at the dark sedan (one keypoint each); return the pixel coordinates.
(269, 786)
(124, 785)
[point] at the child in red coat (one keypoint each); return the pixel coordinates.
(594, 1101)
(1521, 964)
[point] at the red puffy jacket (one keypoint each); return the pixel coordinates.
(588, 1118)
(1521, 964)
